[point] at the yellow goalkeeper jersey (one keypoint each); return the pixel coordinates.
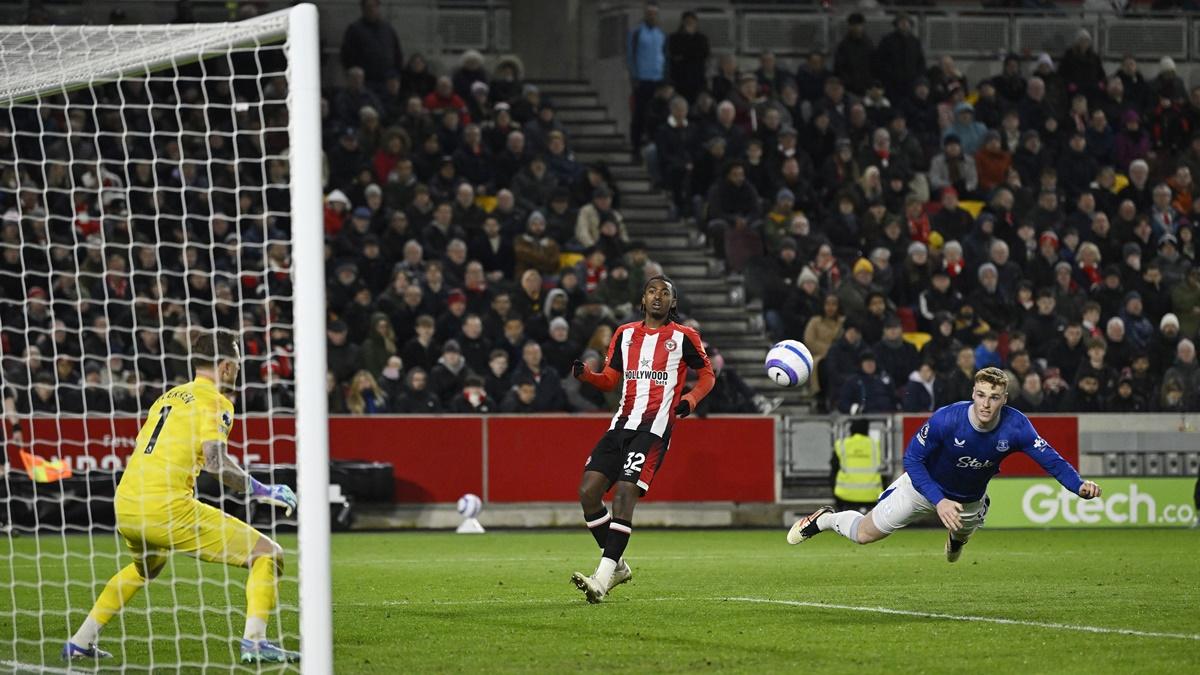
(168, 455)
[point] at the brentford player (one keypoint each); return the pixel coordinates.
(649, 359)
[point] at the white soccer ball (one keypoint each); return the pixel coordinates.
(469, 505)
(789, 363)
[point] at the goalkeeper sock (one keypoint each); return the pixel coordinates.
(260, 596)
(844, 523)
(598, 525)
(88, 633)
(116, 594)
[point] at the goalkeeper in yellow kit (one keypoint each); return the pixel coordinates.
(158, 513)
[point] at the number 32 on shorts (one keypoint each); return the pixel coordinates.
(634, 461)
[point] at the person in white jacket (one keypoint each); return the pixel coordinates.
(594, 214)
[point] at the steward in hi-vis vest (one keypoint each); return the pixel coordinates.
(858, 458)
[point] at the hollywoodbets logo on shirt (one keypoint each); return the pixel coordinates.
(644, 373)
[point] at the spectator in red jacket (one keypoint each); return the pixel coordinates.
(443, 98)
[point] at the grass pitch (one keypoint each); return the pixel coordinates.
(1108, 601)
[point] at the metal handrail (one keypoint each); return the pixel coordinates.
(832, 21)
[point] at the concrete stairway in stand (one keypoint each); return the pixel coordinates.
(715, 301)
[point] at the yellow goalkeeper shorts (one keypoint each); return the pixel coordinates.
(159, 527)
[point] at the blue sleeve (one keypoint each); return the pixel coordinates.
(927, 439)
(1048, 458)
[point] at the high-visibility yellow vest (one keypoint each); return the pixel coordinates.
(858, 478)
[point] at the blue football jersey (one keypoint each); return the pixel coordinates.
(949, 457)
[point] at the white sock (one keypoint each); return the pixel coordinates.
(844, 523)
(620, 563)
(88, 633)
(604, 571)
(256, 629)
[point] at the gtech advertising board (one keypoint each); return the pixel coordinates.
(1126, 502)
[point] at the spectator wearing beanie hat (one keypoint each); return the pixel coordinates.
(447, 377)
(1110, 293)
(559, 350)
(989, 300)
(1173, 265)
(1162, 348)
(1167, 84)
(913, 274)
(1120, 349)
(806, 302)
(1139, 332)
(953, 168)
(853, 292)
(1081, 69)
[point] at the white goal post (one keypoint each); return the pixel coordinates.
(103, 278)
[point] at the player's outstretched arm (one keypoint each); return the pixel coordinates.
(604, 380)
(218, 462)
(1053, 463)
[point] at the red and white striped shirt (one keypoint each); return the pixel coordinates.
(651, 364)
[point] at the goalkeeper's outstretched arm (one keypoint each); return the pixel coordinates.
(218, 462)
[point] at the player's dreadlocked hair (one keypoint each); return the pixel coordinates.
(673, 310)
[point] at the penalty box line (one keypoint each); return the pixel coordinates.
(802, 603)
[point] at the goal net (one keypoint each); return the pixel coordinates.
(156, 183)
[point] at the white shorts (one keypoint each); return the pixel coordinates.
(901, 505)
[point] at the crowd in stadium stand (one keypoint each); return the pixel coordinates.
(907, 224)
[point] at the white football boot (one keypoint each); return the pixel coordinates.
(620, 576)
(592, 589)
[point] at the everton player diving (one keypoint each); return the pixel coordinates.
(947, 467)
(649, 360)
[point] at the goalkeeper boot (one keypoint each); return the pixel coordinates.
(592, 589)
(806, 527)
(954, 548)
(620, 576)
(73, 652)
(265, 651)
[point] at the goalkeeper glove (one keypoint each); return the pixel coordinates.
(683, 409)
(577, 368)
(277, 495)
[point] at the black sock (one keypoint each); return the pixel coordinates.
(598, 524)
(618, 538)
